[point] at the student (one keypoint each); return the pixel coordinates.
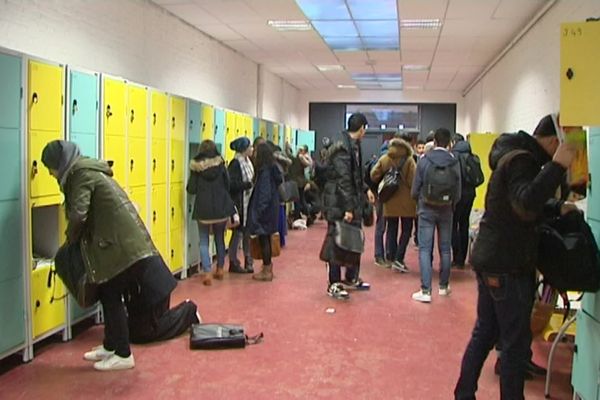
(437, 190)
(344, 201)
(115, 245)
(209, 176)
(381, 223)
(526, 172)
(297, 174)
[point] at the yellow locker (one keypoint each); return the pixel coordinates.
(161, 241)
(42, 183)
(159, 209)
(177, 207)
(481, 144)
(137, 161)
(137, 195)
(47, 303)
(159, 161)
(240, 125)
(208, 122)
(288, 134)
(137, 113)
(177, 160)
(230, 134)
(579, 74)
(115, 155)
(158, 119)
(249, 132)
(176, 250)
(45, 100)
(263, 129)
(177, 120)
(114, 110)
(276, 135)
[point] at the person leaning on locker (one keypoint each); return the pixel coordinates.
(526, 173)
(118, 255)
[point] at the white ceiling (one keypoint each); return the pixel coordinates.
(473, 32)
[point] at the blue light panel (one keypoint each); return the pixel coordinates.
(344, 43)
(324, 9)
(372, 43)
(378, 28)
(369, 10)
(336, 28)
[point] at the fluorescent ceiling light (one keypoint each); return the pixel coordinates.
(420, 23)
(414, 67)
(333, 67)
(346, 86)
(290, 25)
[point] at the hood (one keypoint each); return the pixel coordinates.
(516, 141)
(208, 167)
(441, 158)
(462, 147)
(92, 164)
(399, 148)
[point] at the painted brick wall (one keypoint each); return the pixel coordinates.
(524, 86)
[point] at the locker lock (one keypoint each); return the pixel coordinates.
(154, 164)
(154, 119)
(131, 165)
(172, 211)
(34, 98)
(110, 163)
(173, 122)
(189, 208)
(172, 253)
(570, 74)
(191, 123)
(74, 109)
(108, 112)
(203, 126)
(37, 304)
(172, 165)
(132, 115)
(154, 216)
(34, 170)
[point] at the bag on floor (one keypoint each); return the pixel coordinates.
(220, 336)
(256, 252)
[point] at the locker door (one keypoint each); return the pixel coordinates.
(193, 251)
(41, 182)
(586, 360)
(220, 130)
(255, 128)
(137, 195)
(48, 312)
(87, 143)
(177, 213)
(137, 166)
(177, 119)
(45, 97)
(194, 122)
(593, 200)
(115, 155)
(176, 250)
(83, 106)
(10, 221)
(10, 95)
(159, 209)
(177, 161)
(10, 162)
(263, 129)
(159, 161)
(137, 112)
(161, 241)
(208, 122)
(274, 133)
(11, 309)
(231, 126)
(249, 132)
(115, 98)
(158, 119)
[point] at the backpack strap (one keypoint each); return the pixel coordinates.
(256, 339)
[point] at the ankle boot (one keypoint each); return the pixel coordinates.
(205, 276)
(265, 274)
(219, 273)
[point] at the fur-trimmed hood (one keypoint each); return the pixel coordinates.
(208, 168)
(398, 148)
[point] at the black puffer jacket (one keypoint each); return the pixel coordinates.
(344, 187)
(209, 181)
(520, 188)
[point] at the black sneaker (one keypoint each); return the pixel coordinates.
(528, 375)
(358, 284)
(337, 291)
(236, 269)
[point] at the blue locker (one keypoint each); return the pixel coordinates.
(10, 245)
(87, 142)
(195, 122)
(10, 95)
(10, 165)
(593, 199)
(305, 138)
(83, 112)
(12, 310)
(270, 131)
(220, 129)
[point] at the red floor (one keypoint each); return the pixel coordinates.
(377, 345)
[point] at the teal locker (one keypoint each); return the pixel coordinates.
(270, 130)
(88, 143)
(83, 107)
(282, 138)
(12, 312)
(305, 138)
(10, 95)
(11, 266)
(10, 165)
(195, 121)
(220, 129)
(586, 360)
(591, 301)
(255, 128)
(593, 199)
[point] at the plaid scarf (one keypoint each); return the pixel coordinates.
(247, 176)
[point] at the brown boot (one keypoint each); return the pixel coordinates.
(219, 273)
(206, 280)
(265, 274)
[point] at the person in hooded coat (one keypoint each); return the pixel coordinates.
(209, 182)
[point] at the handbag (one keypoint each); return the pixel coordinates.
(288, 191)
(349, 237)
(220, 336)
(390, 183)
(255, 249)
(233, 221)
(70, 267)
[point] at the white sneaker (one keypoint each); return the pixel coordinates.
(445, 291)
(397, 266)
(115, 363)
(422, 296)
(98, 353)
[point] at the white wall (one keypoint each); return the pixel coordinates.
(139, 41)
(279, 99)
(525, 85)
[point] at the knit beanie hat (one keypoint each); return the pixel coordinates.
(240, 144)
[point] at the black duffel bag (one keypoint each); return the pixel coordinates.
(220, 336)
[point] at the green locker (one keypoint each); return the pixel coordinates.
(220, 129)
(12, 314)
(195, 122)
(586, 360)
(594, 169)
(10, 82)
(11, 266)
(83, 103)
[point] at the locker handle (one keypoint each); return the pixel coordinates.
(34, 170)
(172, 211)
(108, 112)
(173, 122)
(203, 126)
(131, 165)
(34, 98)
(154, 119)
(37, 304)
(189, 208)
(172, 165)
(191, 123)
(110, 163)
(172, 253)
(75, 108)
(569, 74)
(132, 116)
(154, 164)
(153, 216)
(49, 282)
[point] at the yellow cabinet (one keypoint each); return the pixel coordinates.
(579, 74)
(176, 250)
(114, 110)
(42, 183)
(230, 134)
(137, 162)
(208, 122)
(45, 97)
(159, 161)
(137, 113)
(115, 155)
(47, 303)
(158, 119)
(262, 129)
(249, 131)
(138, 197)
(161, 241)
(177, 207)
(159, 209)
(177, 161)
(177, 121)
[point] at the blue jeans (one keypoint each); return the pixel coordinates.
(379, 231)
(503, 314)
(237, 235)
(218, 231)
(430, 219)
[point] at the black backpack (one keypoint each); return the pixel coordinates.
(568, 254)
(470, 169)
(390, 183)
(367, 176)
(439, 185)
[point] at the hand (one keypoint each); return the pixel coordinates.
(371, 196)
(564, 155)
(307, 187)
(568, 207)
(348, 216)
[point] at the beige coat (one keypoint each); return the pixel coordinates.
(401, 204)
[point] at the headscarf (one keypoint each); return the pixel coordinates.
(240, 144)
(60, 155)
